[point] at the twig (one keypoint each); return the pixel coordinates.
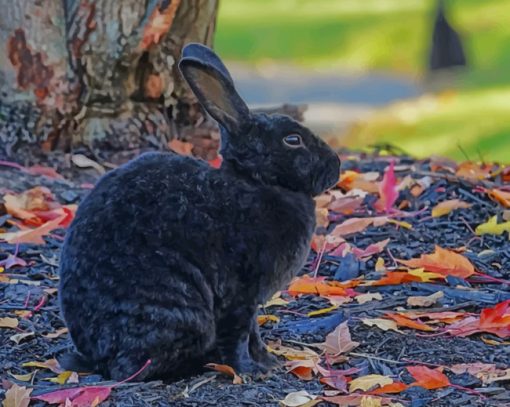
(364, 355)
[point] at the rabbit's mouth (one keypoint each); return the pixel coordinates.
(327, 176)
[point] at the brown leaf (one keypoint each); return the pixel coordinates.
(425, 301)
(226, 369)
(8, 322)
(339, 341)
(17, 396)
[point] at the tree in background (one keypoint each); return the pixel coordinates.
(99, 77)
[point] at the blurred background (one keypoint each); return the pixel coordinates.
(428, 76)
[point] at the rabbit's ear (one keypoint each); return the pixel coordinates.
(211, 82)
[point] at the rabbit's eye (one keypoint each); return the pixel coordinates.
(293, 140)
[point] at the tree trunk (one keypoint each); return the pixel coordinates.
(99, 77)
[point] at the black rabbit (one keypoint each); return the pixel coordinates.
(168, 259)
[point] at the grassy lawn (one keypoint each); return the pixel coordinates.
(389, 35)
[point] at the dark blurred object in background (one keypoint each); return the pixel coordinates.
(447, 50)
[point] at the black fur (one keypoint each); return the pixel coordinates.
(168, 259)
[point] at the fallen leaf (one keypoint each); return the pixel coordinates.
(12, 261)
(368, 382)
(292, 353)
(494, 320)
(395, 387)
(23, 377)
(318, 286)
(350, 180)
(425, 301)
(83, 161)
(225, 369)
(402, 320)
(499, 378)
(299, 399)
(339, 341)
(352, 225)
(379, 265)
(17, 396)
(445, 207)
(216, 162)
(395, 278)
(56, 334)
(425, 276)
(472, 171)
(262, 319)
(427, 378)
(370, 250)
(322, 217)
(368, 401)
(46, 171)
(353, 400)
(502, 197)
(345, 205)
(304, 369)
(384, 324)
(8, 322)
(473, 368)
(492, 227)
(90, 396)
(34, 236)
(51, 364)
(388, 189)
(444, 262)
(17, 338)
(367, 297)
(322, 311)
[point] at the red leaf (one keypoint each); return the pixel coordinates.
(427, 378)
(396, 277)
(318, 286)
(395, 387)
(492, 320)
(59, 396)
(216, 162)
(388, 189)
(91, 396)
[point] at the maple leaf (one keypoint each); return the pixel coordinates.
(443, 261)
(367, 382)
(318, 286)
(304, 369)
(388, 190)
(445, 207)
(427, 378)
(494, 320)
(339, 341)
(394, 278)
(17, 396)
(402, 320)
(492, 227)
(370, 250)
(78, 396)
(227, 370)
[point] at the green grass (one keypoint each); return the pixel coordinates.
(391, 35)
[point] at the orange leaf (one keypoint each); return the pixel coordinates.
(226, 369)
(34, 236)
(502, 197)
(472, 171)
(402, 320)
(443, 261)
(395, 387)
(445, 207)
(396, 277)
(216, 162)
(427, 378)
(346, 205)
(496, 320)
(318, 286)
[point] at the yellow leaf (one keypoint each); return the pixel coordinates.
(276, 300)
(22, 377)
(363, 298)
(262, 319)
(367, 401)
(322, 311)
(1, 269)
(61, 378)
(366, 383)
(17, 396)
(445, 207)
(292, 353)
(491, 227)
(379, 265)
(384, 324)
(400, 223)
(425, 301)
(425, 276)
(8, 322)
(50, 364)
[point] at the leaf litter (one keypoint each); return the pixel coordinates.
(405, 297)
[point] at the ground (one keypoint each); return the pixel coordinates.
(29, 296)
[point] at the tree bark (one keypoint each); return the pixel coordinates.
(99, 77)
